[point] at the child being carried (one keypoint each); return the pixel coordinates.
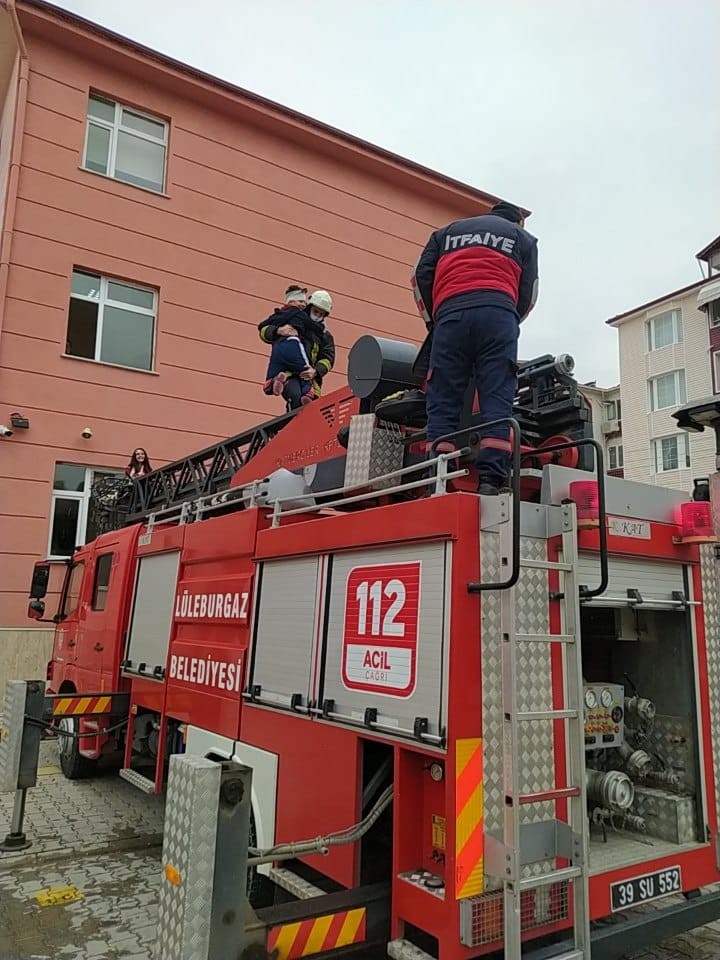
(288, 354)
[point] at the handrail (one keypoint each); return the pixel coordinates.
(586, 594)
(440, 480)
(479, 586)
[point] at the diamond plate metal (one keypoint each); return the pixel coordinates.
(189, 846)
(711, 607)
(668, 816)
(533, 687)
(674, 739)
(371, 452)
(11, 732)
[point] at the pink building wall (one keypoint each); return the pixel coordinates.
(254, 198)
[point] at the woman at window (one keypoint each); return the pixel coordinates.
(139, 464)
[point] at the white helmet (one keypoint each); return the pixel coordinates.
(322, 300)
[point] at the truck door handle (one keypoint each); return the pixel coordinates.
(71, 643)
(98, 647)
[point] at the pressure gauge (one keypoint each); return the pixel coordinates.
(590, 699)
(606, 698)
(436, 772)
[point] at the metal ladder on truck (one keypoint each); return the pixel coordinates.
(550, 839)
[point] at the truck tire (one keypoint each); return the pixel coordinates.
(72, 763)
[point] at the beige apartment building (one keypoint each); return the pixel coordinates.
(666, 361)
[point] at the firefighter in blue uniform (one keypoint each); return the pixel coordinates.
(477, 280)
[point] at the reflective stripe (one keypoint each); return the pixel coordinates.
(495, 443)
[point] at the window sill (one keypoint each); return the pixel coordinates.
(105, 363)
(124, 183)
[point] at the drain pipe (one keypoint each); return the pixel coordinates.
(13, 173)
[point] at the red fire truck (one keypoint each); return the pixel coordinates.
(513, 694)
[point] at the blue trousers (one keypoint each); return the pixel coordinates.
(483, 339)
(287, 355)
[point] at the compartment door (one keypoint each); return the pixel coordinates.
(286, 625)
(152, 614)
(385, 638)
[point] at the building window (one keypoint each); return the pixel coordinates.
(125, 144)
(713, 309)
(667, 390)
(615, 457)
(664, 330)
(72, 518)
(613, 410)
(716, 371)
(714, 263)
(111, 321)
(102, 581)
(671, 453)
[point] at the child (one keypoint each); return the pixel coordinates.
(285, 329)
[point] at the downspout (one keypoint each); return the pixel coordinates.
(13, 176)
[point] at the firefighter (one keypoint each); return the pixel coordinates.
(288, 356)
(317, 340)
(478, 280)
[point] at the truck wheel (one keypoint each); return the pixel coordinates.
(72, 763)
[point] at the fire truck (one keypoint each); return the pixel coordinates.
(501, 709)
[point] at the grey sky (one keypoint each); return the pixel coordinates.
(601, 116)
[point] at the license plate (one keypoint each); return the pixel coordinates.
(651, 886)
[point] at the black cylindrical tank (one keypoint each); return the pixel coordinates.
(378, 367)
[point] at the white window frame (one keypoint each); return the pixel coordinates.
(680, 390)
(684, 462)
(114, 128)
(619, 456)
(616, 407)
(84, 498)
(716, 369)
(102, 300)
(678, 333)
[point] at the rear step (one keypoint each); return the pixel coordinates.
(404, 950)
(138, 780)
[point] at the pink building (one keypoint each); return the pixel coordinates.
(151, 216)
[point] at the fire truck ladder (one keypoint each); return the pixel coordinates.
(550, 839)
(206, 472)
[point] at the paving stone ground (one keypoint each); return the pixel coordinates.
(103, 837)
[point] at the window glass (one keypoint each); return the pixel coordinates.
(100, 108)
(139, 161)
(68, 476)
(103, 567)
(127, 338)
(64, 527)
(72, 594)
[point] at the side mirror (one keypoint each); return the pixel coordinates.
(36, 609)
(40, 579)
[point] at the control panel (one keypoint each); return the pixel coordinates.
(604, 707)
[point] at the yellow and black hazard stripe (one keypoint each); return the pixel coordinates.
(81, 706)
(307, 938)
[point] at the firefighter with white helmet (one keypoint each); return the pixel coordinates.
(318, 342)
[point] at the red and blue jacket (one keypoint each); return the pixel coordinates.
(481, 261)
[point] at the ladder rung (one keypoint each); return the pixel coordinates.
(567, 955)
(555, 876)
(546, 637)
(544, 564)
(546, 715)
(559, 793)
